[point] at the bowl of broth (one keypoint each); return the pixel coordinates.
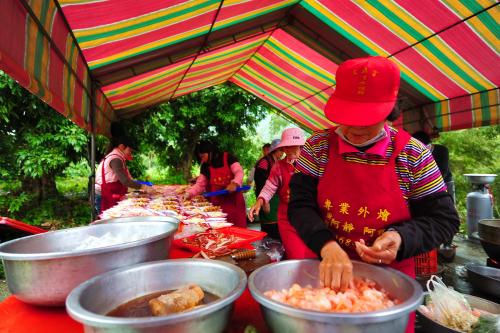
(121, 300)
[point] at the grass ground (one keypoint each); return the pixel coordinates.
(4, 291)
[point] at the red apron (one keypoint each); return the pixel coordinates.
(358, 201)
(295, 248)
(232, 204)
(112, 192)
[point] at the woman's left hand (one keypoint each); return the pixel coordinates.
(232, 187)
(383, 251)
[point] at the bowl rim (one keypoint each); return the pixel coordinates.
(80, 314)
(84, 252)
(311, 315)
(475, 268)
(126, 218)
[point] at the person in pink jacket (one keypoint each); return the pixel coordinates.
(277, 182)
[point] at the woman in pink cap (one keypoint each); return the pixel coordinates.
(277, 182)
(365, 190)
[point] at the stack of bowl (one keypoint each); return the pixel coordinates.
(44, 268)
(489, 235)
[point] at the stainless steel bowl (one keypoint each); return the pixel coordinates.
(168, 219)
(489, 230)
(480, 178)
(430, 325)
(89, 302)
(284, 318)
(43, 269)
(485, 279)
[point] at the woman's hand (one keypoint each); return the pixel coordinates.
(335, 269)
(255, 209)
(232, 187)
(383, 251)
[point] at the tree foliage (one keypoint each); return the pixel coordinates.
(37, 142)
(224, 114)
(475, 150)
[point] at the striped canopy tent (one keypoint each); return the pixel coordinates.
(96, 61)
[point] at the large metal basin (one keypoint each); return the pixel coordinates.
(89, 302)
(286, 319)
(168, 219)
(43, 269)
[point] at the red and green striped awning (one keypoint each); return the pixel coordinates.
(131, 54)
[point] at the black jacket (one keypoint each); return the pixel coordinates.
(434, 219)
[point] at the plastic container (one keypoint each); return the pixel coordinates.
(12, 229)
(248, 236)
(426, 264)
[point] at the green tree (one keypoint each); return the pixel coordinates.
(224, 114)
(37, 142)
(475, 150)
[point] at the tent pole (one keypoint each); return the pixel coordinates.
(92, 152)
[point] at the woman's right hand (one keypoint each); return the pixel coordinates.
(335, 269)
(255, 209)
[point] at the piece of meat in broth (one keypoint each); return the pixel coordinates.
(179, 300)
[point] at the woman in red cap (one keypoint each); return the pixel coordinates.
(364, 189)
(292, 140)
(218, 171)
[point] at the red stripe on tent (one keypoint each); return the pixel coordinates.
(286, 66)
(305, 51)
(289, 87)
(288, 100)
(380, 35)
(112, 48)
(436, 16)
(427, 72)
(473, 50)
(90, 15)
(146, 75)
(236, 9)
(459, 119)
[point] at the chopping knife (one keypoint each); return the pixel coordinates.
(224, 192)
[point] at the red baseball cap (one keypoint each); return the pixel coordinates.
(366, 91)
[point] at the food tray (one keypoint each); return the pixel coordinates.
(248, 236)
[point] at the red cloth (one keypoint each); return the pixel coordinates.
(295, 248)
(19, 317)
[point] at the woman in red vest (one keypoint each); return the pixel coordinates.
(112, 177)
(218, 171)
(277, 182)
(366, 190)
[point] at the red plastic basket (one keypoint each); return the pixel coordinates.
(426, 263)
(248, 236)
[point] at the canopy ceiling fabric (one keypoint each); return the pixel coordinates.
(141, 53)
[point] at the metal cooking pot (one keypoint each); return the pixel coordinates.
(489, 230)
(485, 279)
(44, 268)
(491, 249)
(92, 300)
(284, 318)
